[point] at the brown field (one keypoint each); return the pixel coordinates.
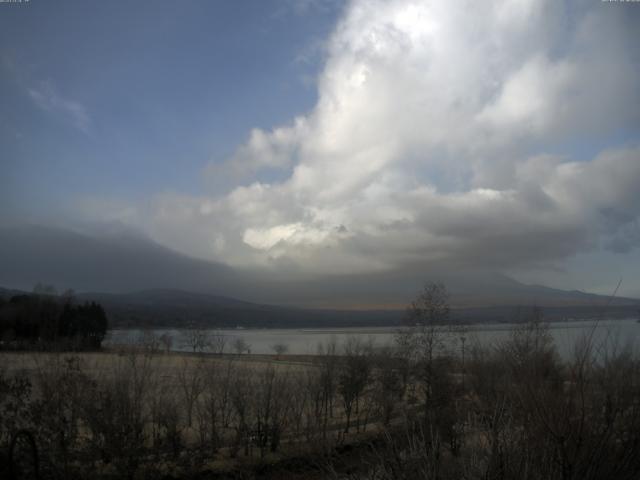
(352, 412)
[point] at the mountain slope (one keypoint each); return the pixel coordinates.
(117, 263)
(125, 263)
(178, 309)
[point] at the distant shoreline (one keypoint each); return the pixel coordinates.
(374, 329)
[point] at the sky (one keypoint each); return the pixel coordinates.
(323, 137)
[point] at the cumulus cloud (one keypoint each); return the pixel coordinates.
(276, 149)
(439, 135)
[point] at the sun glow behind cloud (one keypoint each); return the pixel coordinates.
(435, 137)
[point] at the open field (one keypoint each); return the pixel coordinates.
(227, 411)
(168, 364)
(351, 411)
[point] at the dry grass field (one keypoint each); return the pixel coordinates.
(216, 412)
(350, 411)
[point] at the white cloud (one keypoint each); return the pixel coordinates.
(47, 98)
(434, 138)
(532, 97)
(263, 150)
(291, 234)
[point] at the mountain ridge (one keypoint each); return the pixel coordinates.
(129, 266)
(169, 308)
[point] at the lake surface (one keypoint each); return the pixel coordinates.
(604, 333)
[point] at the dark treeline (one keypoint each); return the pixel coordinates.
(434, 405)
(46, 320)
(177, 309)
(123, 315)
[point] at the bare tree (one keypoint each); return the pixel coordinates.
(425, 316)
(149, 341)
(300, 399)
(191, 381)
(354, 376)
(423, 337)
(196, 339)
(218, 342)
(116, 416)
(327, 362)
(241, 399)
(207, 408)
(62, 383)
(389, 387)
(167, 426)
(215, 408)
(240, 345)
(460, 333)
(313, 411)
(271, 406)
(166, 340)
(280, 349)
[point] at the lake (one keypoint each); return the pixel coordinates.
(605, 333)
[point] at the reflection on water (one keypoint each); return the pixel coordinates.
(604, 333)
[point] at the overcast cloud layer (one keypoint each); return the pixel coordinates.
(443, 131)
